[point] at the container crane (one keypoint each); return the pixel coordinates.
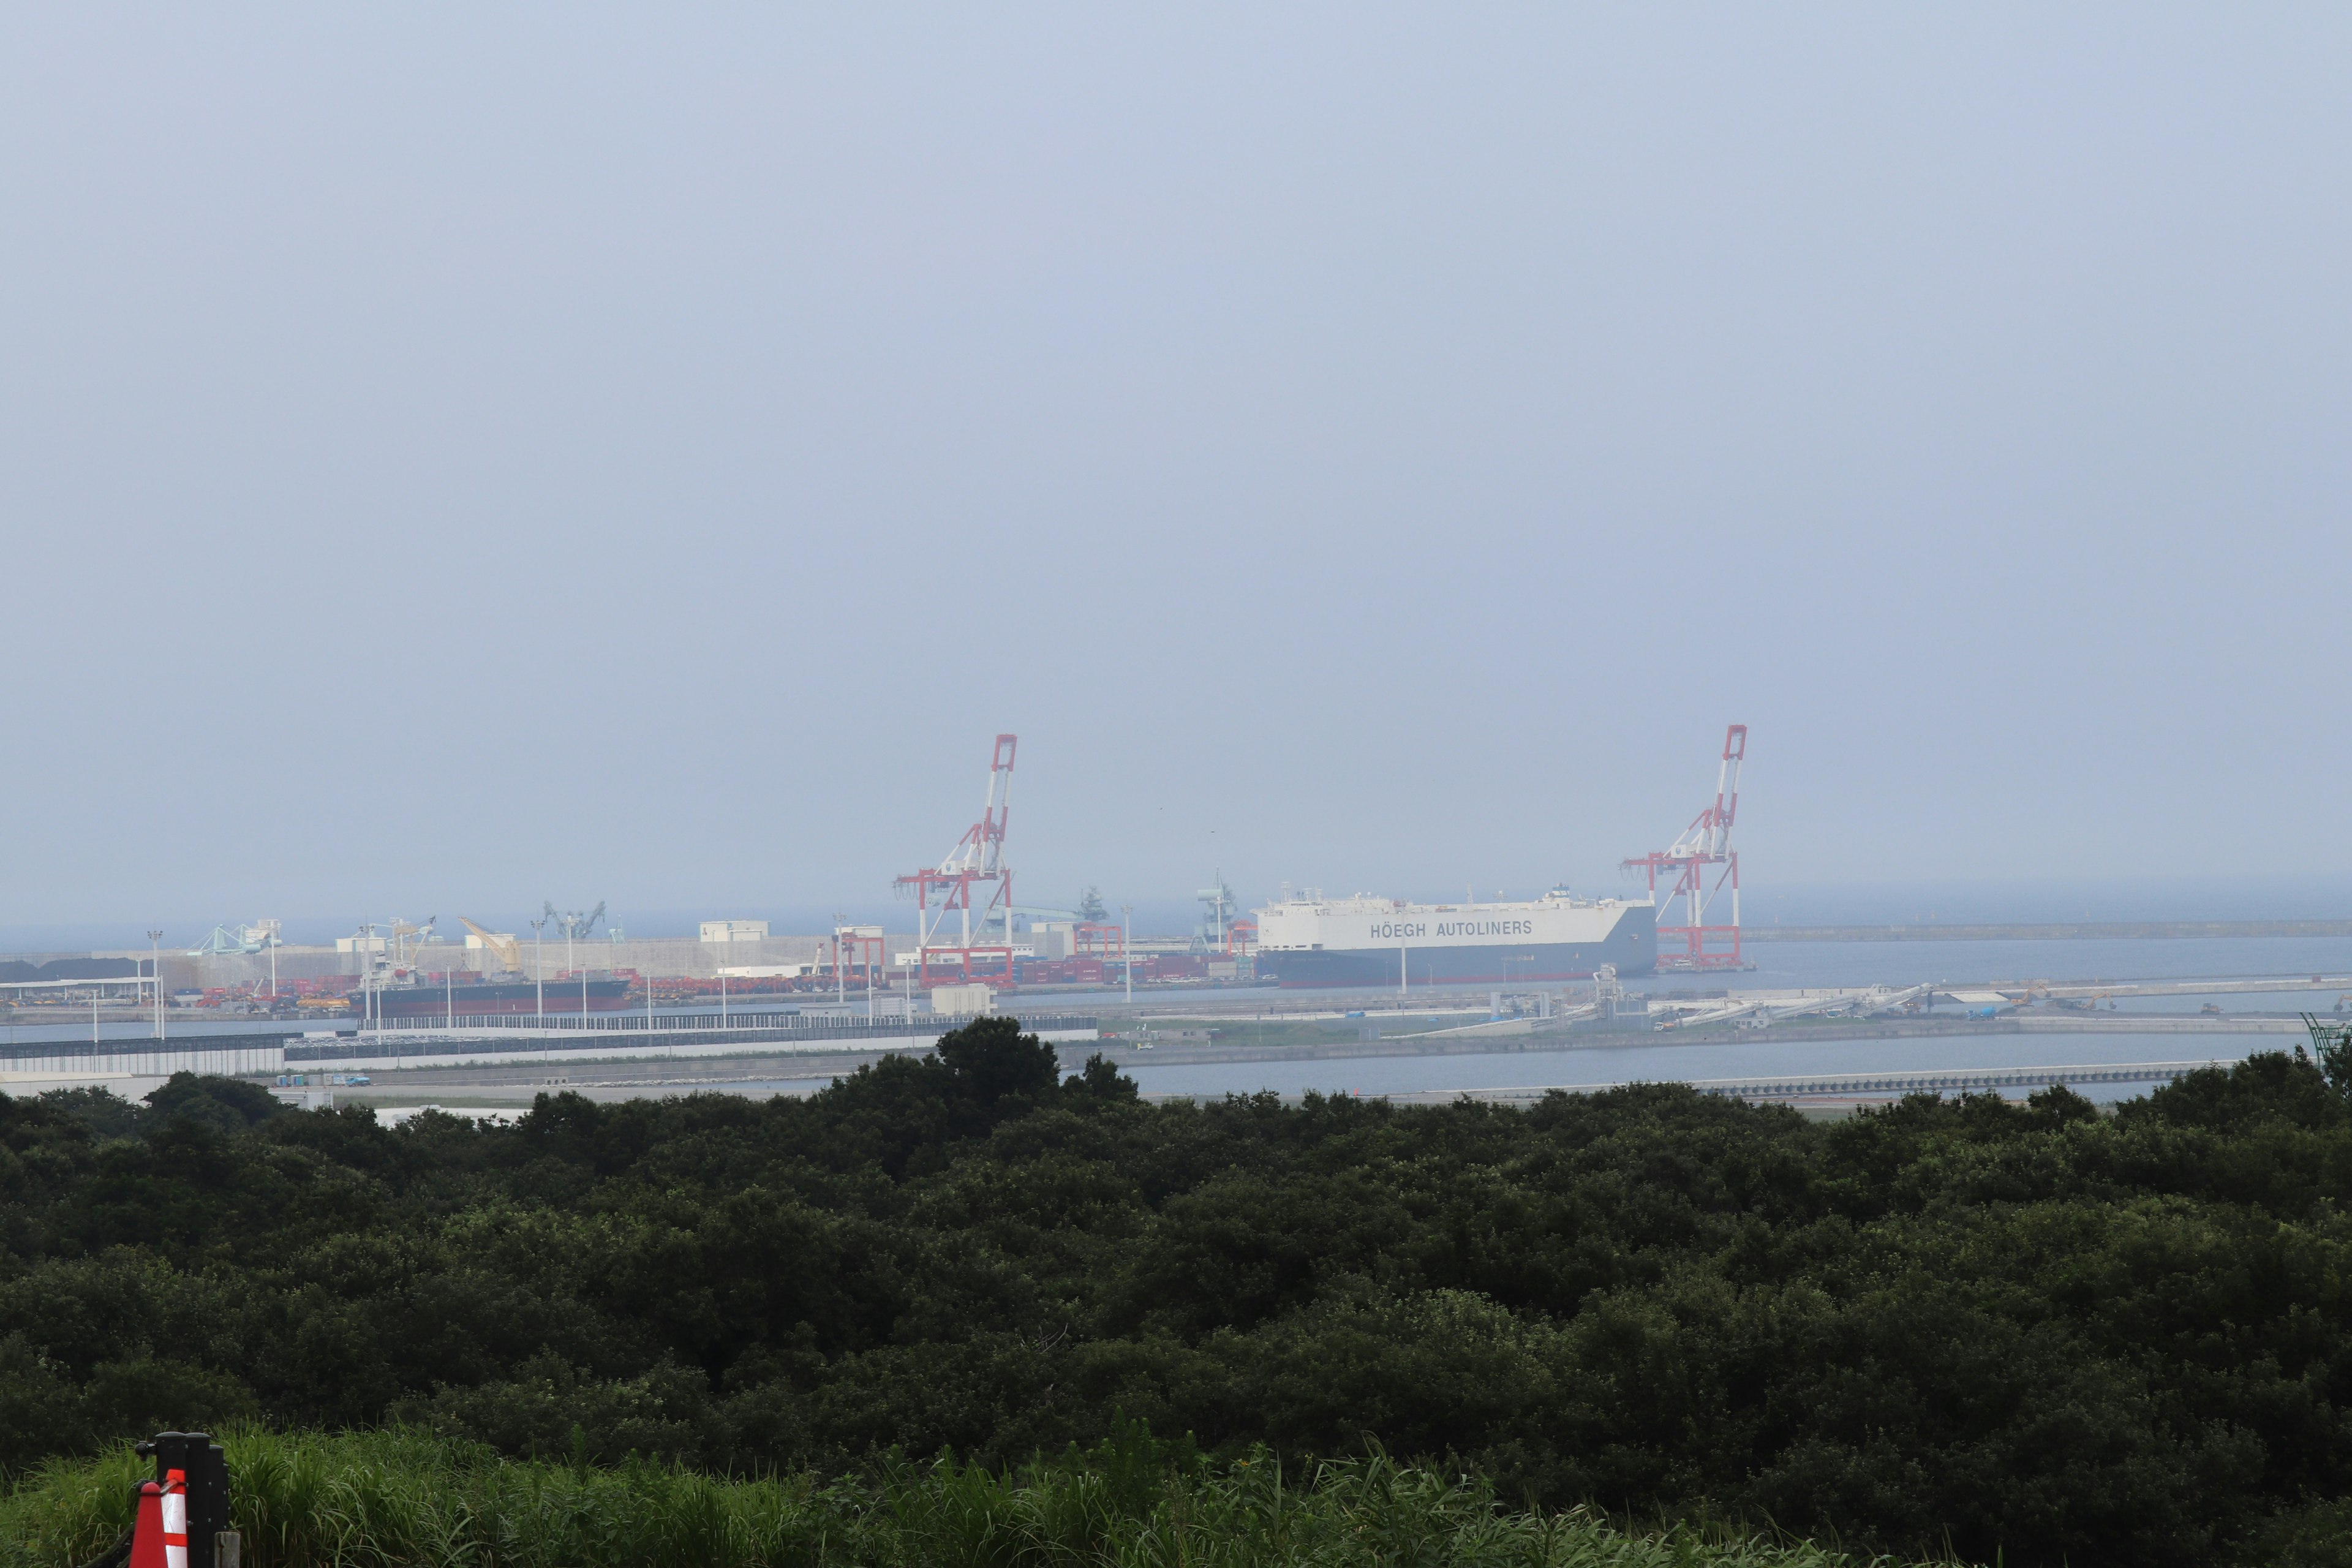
(976, 863)
(1705, 844)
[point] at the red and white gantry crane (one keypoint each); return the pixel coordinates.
(975, 866)
(1705, 844)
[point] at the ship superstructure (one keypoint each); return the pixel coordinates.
(1367, 940)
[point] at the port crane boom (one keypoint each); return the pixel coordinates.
(504, 949)
(1709, 834)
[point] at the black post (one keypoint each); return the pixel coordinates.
(197, 1456)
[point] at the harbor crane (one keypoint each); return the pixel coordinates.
(1219, 912)
(409, 941)
(504, 949)
(245, 939)
(1703, 845)
(976, 864)
(575, 927)
(573, 923)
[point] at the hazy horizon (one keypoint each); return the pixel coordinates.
(1161, 914)
(454, 458)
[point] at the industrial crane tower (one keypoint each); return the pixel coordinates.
(1705, 843)
(976, 864)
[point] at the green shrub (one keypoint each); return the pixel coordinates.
(402, 1499)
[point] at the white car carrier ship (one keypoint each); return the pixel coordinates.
(1365, 941)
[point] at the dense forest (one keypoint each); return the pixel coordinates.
(2033, 1331)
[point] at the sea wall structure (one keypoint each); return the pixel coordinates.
(783, 1034)
(37, 1067)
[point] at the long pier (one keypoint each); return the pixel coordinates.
(2090, 988)
(1808, 1085)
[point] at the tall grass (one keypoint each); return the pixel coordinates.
(404, 1499)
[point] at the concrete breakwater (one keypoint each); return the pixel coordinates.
(2069, 930)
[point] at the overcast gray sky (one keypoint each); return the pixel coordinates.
(453, 455)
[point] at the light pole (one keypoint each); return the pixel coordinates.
(1127, 948)
(359, 939)
(155, 967)
(539, 965)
